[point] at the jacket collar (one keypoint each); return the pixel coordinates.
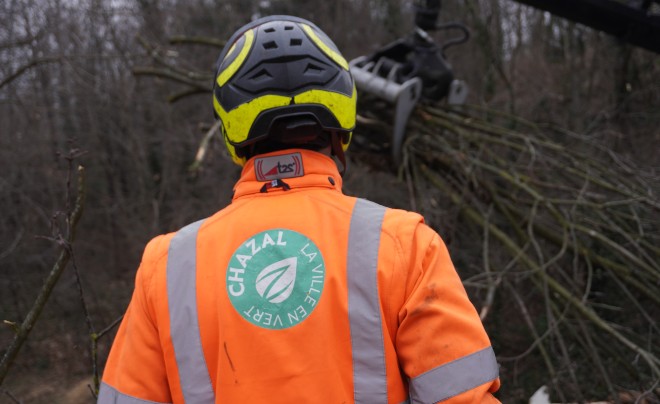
(286, 170)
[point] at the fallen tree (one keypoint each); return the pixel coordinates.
(569, 238)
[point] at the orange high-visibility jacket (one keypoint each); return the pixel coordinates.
(297, 293)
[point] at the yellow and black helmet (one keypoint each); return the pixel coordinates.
(281, 67)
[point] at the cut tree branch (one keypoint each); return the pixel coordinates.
(23, 331)
(19, 72)
(169, 74)
(196, 40)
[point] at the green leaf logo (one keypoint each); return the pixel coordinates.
(275, 278)
(275, 282)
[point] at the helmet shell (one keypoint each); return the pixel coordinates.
(281, 67)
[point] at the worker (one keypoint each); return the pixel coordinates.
(295, 292)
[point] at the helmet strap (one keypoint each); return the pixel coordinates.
(338, 151)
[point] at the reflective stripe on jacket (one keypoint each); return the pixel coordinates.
(298, 293)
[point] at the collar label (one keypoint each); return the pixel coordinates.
(278, 167)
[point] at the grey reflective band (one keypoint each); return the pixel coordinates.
(455, 377)
(109, 395)
(369, 374)
(184, 325)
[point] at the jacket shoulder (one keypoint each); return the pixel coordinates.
(403, 223)
(157, 248)
(404, 228)
(393, 213)
(155, 251)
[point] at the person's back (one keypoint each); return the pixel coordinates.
(296, 292)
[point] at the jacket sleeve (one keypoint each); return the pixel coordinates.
(441, 342)
(135, 368)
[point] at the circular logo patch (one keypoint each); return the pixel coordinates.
(275, 278)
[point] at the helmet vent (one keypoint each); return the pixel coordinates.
(270, 45)
(261, 75)
(288, 27)
(296, 42)
(313, 69)
(269, 30)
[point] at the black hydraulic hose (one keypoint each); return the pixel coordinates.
(454, 41)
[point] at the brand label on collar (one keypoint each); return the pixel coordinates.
(276, 167)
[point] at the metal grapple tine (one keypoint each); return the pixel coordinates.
(404, 96)
(406, 100)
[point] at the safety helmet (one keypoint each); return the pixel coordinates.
(281, 68)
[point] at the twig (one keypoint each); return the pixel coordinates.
(538, 340)
(651, 390)
(171, 75)
(196, 40)
(597, 360)
(157, 56)
(22, 41)
(36, 62)
(649, 357)
(492, 284)
(204, 146)
(65, 254)
(186, 93)
(90, 326)
(11, 396)
(95, 368)
(13, 245)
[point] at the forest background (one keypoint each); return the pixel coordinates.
(78, 86)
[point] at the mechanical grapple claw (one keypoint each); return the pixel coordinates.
(410, 69)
